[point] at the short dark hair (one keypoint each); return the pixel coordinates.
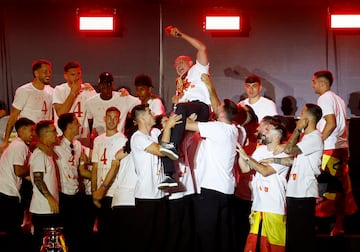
(111, 109)
(245, 115)
(64, 120)
(231, 109)
(105, 78)
(23, 122)
(252, 79)
(280, 127)
(143, 80)
(325, 74)
(137, 110)
(38, 63)
(43, 125)
(70, 65)
(269, 119)
(251, 113)
(314, 110)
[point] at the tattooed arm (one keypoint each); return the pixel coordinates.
(41, 186)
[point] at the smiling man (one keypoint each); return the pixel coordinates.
(192, 96)
(32, 100)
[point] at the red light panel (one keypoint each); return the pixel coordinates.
(345, 21)
(222, 23)
(104, 23)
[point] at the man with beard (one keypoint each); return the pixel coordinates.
(267, 225)
(32, 100)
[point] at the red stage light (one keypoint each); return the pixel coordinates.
(345, 21)
(222, 23)
(96, 23)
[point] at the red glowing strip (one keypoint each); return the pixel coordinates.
(218, 23)
(345, 21)
(96, 23)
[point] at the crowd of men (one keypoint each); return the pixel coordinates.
(211, 176)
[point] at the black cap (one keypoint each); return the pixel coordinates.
(105, 78)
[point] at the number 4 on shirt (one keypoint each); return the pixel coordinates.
(103, 157)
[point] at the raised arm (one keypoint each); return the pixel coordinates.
(214, 98)
(247, 163)
(291, 147)
(66, 105)
(201, 54)
(154, 148)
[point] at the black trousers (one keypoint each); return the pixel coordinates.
(240, 211)
(73, 215)
(124, 233)
(150, 225)
(105, 222)
(300, 224)
(180, 231)
(212, 221)
(185, 109)
(11, 217)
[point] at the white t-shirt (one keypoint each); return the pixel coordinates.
(61, 92)
(263, 107)
(269, 192)
(105, 148)
(331, 103)
(40, 162)
(14, 154)
(34, 104)
(68, 165)
(124, 184)
(95, 109)
(306, 167)
(214, 166)
(188, 150)
(148, 167)
(156, 106)
(197, 89)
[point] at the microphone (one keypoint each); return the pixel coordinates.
(168, 30)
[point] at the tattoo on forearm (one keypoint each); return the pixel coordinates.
(291, 147)
(283, 161)
(287, 161)
(277, 160)
(40, 184)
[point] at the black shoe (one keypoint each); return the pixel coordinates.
(168, 182)
(169, 150)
